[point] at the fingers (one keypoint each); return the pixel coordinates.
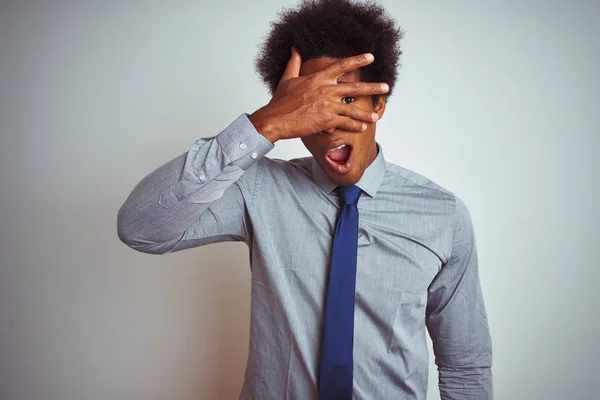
(358, 89)
(355, 113)
(348, 124)
(292, 70)
(343, 65)
(350, 118)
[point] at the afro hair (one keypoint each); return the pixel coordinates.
(334, 28)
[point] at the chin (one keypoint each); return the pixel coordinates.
(349, 177)
(344, 180)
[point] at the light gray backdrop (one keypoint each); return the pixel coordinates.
(497, 102)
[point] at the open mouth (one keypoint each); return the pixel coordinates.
(340, 157)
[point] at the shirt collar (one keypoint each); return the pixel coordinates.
(369, 182)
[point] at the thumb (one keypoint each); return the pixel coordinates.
(292, 70)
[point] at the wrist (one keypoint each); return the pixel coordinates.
(264, 125)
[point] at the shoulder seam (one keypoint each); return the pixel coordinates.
(445, 191)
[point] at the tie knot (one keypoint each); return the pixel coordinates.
(349, 194)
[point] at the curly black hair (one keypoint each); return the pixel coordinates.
(334, 28)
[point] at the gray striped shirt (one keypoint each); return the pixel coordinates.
(417, 265)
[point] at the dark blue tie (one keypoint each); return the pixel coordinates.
(335, 373)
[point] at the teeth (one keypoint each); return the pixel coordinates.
(337, 148)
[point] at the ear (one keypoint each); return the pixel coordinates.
(380, 106)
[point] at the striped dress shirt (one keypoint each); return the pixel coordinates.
(417, 268)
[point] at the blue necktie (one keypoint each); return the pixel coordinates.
(335, 373)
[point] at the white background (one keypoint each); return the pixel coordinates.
(498, 103)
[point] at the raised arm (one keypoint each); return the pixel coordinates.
(162, 213)
(457, 319)
(167, 210)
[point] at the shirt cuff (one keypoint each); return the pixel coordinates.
(242, 144)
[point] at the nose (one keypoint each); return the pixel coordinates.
(329, 130)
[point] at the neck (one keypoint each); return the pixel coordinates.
(373, 154)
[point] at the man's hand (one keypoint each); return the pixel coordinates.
(304, 105)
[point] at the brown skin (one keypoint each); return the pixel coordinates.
(323, 102)
(364, 148)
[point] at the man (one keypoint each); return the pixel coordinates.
(342, 289)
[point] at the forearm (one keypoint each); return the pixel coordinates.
(166, 202)
(461, 338)
(467, 383)
(462, 345)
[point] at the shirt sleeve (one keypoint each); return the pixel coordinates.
(197, 198)
(457, 319)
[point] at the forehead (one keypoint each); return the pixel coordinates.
(318, 63)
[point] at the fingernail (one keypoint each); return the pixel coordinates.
(364, 126)
(384, 86)
(370, 56)
(374, 116)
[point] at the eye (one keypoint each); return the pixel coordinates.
(346, 101)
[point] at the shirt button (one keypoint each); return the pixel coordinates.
(202, 177)
(254, 155)
(243, 146)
